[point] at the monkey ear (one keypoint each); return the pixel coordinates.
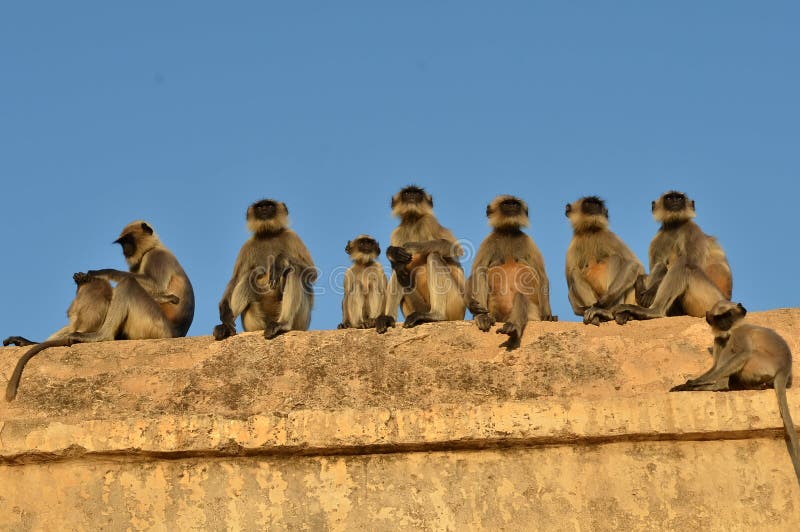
(285, 208)
(488, 210)
(567, 209)
(147, 229)
(347, 248)
(430, 200)
(653, 206)
(378, 248)
(744, 310)
(692, 204)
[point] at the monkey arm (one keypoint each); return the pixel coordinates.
(627, 273)
(477, 296)
(545, 311)
(444, 247)
(150, 285)
(581, 296)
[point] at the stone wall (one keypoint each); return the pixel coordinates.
(434, 427)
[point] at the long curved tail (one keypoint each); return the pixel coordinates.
(792, 445)
(13, 382)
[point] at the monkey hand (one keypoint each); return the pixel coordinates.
(397, 256)
(368, 323)
(549, 317)
(514, 336)
(274, 329)
(644, 296)
(484, 321)
(81, 278)
(417, 318)
(594, 315)
(343, 325)
(224, 330)
(383, 322)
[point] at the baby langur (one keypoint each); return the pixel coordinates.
(427, 277)
(748, 357)
(271, 285)
(688, 269)
(154, 299)
(364, 285)
(508, 281)
(601, 269)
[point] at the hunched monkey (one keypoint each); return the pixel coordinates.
(748, 357)
(154, 299)
(508, 281)
(271, 285)
(364, 284)
(688, 268)
(427, 277)
(601, 270)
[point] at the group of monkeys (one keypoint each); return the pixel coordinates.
(271, 286)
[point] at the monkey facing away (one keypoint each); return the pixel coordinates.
(508, 281)
(688, 268)
(271, 285)
(601, 270)
(748, 357)
(427, 277)
(154, 299)
(364, 285)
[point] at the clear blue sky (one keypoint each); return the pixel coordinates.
(183, 113)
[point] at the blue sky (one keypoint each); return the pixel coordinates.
(183, 113)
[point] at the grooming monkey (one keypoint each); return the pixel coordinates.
(748, 357)
(271, 283)
(508, 281)
(601, 269)
(688, 268)
(364, 285)
(154, 299)
(427, 277)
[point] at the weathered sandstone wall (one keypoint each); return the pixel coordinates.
(434, 428)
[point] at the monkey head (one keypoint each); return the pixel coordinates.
(673, 207)
(507, 212)
(136, 239)
(267, 216)
(587, 214)
(412, 201)
(363, 249)
(725, 314)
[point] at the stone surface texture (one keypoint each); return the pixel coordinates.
(435, 427)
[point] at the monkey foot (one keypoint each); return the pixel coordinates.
(223, 331)
(273, 330)
(383, 323)
(514, 336)
(17, 340)
(484, 321)
(417, 318)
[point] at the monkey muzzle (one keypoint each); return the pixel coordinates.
(265, 211)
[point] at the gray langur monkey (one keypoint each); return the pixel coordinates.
(689, 272)
(748, 357)
(271, 285)
(154, 299)
(601, 270)
(427, 277)
(364, 284)
(508, 281)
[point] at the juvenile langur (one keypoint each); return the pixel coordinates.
(364, 285)
(688, 269)
(601, 269)
(508, 281)
(427, 277)
(154, 299)
(271, 283)
(748, 357)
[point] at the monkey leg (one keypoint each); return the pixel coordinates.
(646, 286)
(595, 315)
(442, 288)
(18, 340)
(242, 299)
(678, 280)
(295, 313)
(132, 314)
(394, 295)
(514, 326)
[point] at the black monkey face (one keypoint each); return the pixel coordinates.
(128, 243)
(724, 314)
(265, 209)
(369, 246)
(413, 194)
(674, 201)
(512, 206)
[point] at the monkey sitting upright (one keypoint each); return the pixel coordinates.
(427, 278)
(272, 277)
(688, 269)
(154, 299)
(364, 285)
(748, 357)
(508, 281)
(601, 269)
